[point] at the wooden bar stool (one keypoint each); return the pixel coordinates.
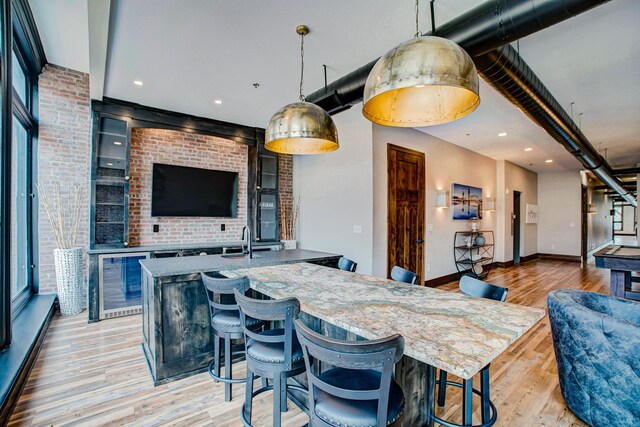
(225, 322)
(476, 288)
(271, 353)
(358, 389)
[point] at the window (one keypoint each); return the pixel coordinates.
(20, 277)
(19, 78)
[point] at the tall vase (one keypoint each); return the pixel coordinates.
(69, 279)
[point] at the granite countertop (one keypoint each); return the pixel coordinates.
(448, 330)
(175, 266)
(177, 247)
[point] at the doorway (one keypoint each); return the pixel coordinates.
(515, 230)
(405, 208)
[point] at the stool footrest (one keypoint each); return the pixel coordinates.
(492, 420)
(243, 415)
(226, 379)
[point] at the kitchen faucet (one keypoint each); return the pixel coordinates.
(249, 243)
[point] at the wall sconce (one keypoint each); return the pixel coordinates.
(442, 199)
(592, 208)
(490, 204)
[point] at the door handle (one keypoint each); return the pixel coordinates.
(419, 241)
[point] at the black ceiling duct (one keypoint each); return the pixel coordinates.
(506, 71)
(482, 29)
(484, 32)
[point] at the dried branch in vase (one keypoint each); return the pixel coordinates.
(64, 211)
(288, 219)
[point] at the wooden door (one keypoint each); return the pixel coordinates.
(405, 173)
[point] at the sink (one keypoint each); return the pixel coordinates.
(239, 256)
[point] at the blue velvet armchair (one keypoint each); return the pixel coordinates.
(596, 339)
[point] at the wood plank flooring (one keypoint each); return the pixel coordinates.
(95, 374)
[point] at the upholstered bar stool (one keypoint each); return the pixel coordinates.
(347, 265)
(272, 353)
(225, 321)
(399, 274)
(358, 389)
(476, 288)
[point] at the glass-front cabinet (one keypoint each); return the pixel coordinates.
(267, 196)
(120, 281)
(110, 182)
(267, 217)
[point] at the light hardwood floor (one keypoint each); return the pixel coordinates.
(95, 374)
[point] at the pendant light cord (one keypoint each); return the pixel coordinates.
(417, 34)
(433, 19)
(302, 97)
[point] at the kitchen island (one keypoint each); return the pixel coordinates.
(176, 328)
(446, 330)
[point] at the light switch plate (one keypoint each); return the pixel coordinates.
(357, 229)
(429, 227)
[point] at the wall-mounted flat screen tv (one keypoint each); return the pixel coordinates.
(185, 191)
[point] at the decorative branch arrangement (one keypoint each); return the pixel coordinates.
(288, 219)
(64, 215)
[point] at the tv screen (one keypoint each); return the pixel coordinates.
(184, 191)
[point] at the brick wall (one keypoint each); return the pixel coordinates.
(150, 146)
(64, 149)
(63, 152)
(285, 183)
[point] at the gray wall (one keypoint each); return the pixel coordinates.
(336, 194)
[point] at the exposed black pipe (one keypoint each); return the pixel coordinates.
(627, 171)
(507, 72)
(482, 29)
(631, 186)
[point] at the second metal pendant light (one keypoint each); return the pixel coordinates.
(422, 82)
(301, 127)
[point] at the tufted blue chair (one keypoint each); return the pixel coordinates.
(597, 344)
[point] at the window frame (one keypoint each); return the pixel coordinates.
(19, 36)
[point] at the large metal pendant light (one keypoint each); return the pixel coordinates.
(422, 82)
(301, 127)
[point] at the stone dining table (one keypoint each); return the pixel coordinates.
(445, 330)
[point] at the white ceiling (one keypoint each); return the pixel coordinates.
(190, 52)
(64, 29)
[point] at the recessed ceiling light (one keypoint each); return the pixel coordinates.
(549, 161)
(217, 101)
(138, 82)
(528, 149)
(502, 134)
(117, 143)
